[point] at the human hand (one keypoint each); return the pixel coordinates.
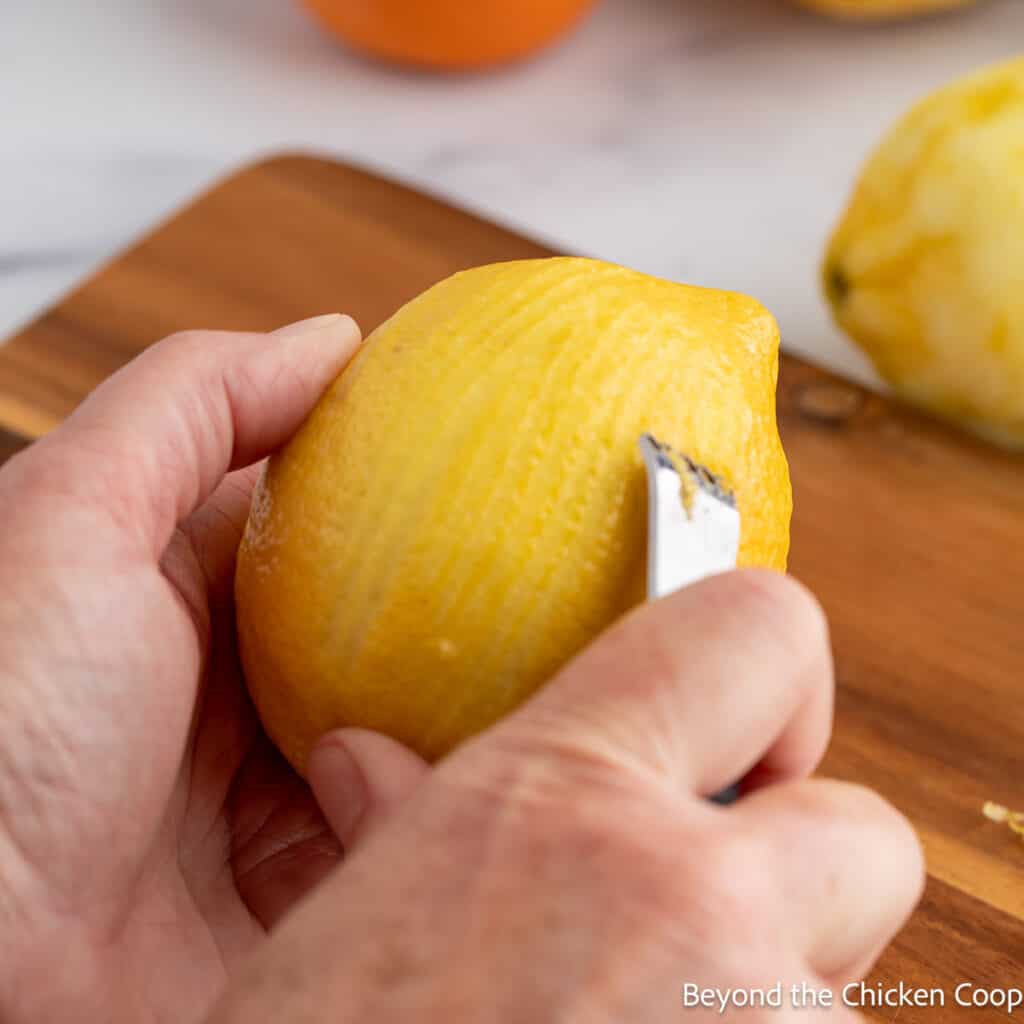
(567, 867)
(149, 833)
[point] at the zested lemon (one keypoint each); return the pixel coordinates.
(875, 10)
(465, 509)
(926, 269)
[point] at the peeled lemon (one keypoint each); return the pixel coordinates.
(872, 10)
(926, 269)
(465, 509)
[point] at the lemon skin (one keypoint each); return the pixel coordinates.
(880, 10)
(926, 269)
(465, 509)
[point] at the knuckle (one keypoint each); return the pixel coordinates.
(728, 873)
(855, 803)
(551, 781)
(880, 827)
(898, 840)
(575, 807)
(183, 341)
(782, 604)
(191, 349)
(664, 860)
(633, 852)
(556, 750)
(179, 347)
(784, 620)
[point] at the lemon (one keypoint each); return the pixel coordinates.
(870, 10)
(926, 269)
(465, 509)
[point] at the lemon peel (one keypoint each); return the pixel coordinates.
(925, 271)
(465, 509)
(1014, 820)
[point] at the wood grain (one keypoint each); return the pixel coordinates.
(912, 535)
(10, 444)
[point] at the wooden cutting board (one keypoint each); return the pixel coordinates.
(912, 535)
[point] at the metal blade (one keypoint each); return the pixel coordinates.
(693, 529)
(693, 523)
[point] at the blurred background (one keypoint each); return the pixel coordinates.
(709, 141)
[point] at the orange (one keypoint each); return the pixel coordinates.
(449, 34)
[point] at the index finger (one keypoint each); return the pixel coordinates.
(699, 688)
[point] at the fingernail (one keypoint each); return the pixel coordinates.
(314, 325)
(339, 785)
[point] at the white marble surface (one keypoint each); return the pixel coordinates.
(711, 141)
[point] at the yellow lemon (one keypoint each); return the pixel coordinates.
(926, 269)
(872, 10)
(465, 509)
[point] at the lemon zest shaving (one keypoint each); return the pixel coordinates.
(1014, 820)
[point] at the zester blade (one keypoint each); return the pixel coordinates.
(693, 528)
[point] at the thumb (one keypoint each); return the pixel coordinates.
(359, 778)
